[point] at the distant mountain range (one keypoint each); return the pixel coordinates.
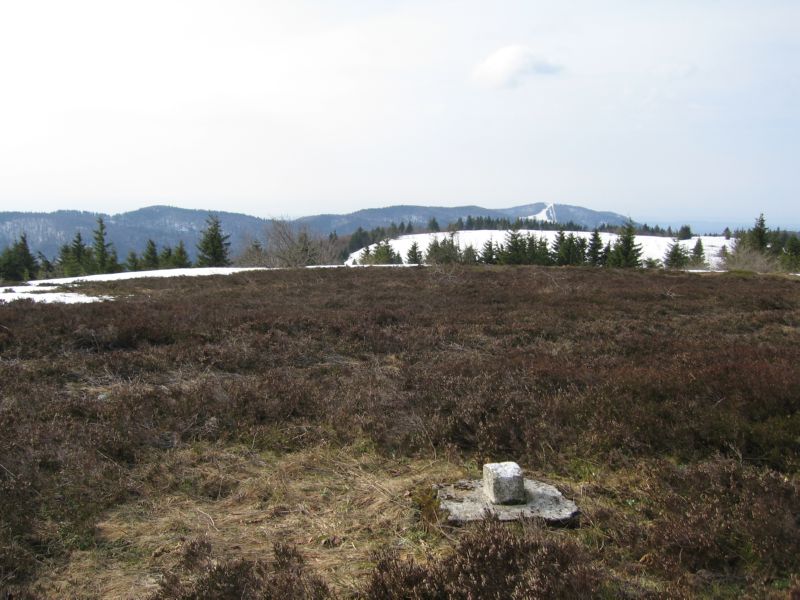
(165, 225)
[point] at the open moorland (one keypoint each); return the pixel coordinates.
(277, 434)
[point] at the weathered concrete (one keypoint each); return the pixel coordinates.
(503, 483)
(465, 501)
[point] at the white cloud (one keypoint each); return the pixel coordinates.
(509, 66)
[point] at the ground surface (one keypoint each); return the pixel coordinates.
(151, 442)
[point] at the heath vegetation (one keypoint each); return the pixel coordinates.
(276, 434)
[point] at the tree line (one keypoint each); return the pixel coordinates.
(77, 258)
(519, 249)
(756, 249)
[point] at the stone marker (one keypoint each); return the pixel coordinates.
(466, 501)
(503, 483)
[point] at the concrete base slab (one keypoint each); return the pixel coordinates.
(465, 501)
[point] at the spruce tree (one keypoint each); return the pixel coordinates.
(26, 260)
(113, 262)
(433, 225)
(132, 262)
(74, 258)
(604, 258)
(757, 237)
(559, 253)
(414, 256)
(790, 259)
(488, 255)
(180, 258)
(626, 253)
(384, 254)
(676, 256)
(165, 258)
(212, 251)
(698, 259)
(100, 248)
(80, 253)
(17, 263)
(594, 252)
(515, 249)
(149, 261)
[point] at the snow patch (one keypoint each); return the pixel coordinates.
(44, 290)
(653, 247)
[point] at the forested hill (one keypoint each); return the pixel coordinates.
(166, 225)
(419, 216)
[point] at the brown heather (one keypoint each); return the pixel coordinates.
(276, 434)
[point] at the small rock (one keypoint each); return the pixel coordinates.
(503, 483)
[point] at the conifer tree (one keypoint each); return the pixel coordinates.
(790, 259)
(594, 252)
(515, 249)
(180, 258)
(17, 263)
(74, 258)
(433, 225)
(149, 259)
(165, 258)
(212, 251)
(698, 259)
(383, 254)
(443, 252)
(113, 262)
(542, 252)
(132, 262)
(757, 237)
(79, 251)
(676, 256)
(559, 252)
(101, 248)
(414, 256)
(685, 233)
(488, 254)
(604, 258)
(626, 253)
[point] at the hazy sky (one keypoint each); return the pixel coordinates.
(661, 110)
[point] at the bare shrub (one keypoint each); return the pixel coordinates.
(744, 258)
(295, 246)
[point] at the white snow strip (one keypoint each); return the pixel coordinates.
(35, 294)
(653, 247)
(43, 290)
(198, 272)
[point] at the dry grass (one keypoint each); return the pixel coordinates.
(338, 506)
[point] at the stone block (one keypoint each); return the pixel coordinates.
(503, 483)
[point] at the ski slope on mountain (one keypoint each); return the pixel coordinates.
(653, 247)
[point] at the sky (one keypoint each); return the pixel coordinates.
(662, 110)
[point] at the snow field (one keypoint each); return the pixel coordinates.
(653, 247)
